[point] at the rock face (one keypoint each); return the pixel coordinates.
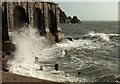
(75, 20)
(68, 19)
(63, 17)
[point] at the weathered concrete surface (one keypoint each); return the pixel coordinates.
(59, 36)
(55, 37)
(41, 15)
(18, 79)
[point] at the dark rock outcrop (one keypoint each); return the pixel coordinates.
(69, 19)
(69, 38)
(75, 20)
(8, 47)
(64, 19)
(4, 62)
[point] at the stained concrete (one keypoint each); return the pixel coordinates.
(42, 15)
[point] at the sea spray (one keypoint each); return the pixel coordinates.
(28, 45)
(99, 36)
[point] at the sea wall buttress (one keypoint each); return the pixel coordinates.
(41, 15)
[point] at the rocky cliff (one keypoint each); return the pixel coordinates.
(68, 19)
(75, 20)
(63, 17)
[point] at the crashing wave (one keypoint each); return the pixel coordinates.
(100, 36)
(29, 45)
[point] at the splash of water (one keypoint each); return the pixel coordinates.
(28, 45)
(101, 36)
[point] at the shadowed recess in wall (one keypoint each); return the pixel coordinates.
(42, 16)
(52, 22)
(20, 17)
(5, 35)
(38, 20)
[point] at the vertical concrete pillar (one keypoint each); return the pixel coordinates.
(23, 6)
(30, 13)
(57, 18)
(41, 6)
(53, 8)
(10, 16)
(46, 18)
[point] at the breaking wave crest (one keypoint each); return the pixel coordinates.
(30, 45)
(100, 36)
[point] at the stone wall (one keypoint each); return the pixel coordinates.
(19, 14)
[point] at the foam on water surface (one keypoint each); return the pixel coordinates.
(29, 45)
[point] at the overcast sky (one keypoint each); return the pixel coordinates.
(100, 10)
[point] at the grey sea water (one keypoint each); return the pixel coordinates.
(76, 30)
(92, 56)
(99, 64)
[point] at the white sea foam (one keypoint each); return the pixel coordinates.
(29, 44)
(79, 44)
(101, 36)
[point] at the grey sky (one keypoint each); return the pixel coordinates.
(104, 11)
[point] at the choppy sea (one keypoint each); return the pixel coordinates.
(92, 56)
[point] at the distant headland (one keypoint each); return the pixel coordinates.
(68, 19)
